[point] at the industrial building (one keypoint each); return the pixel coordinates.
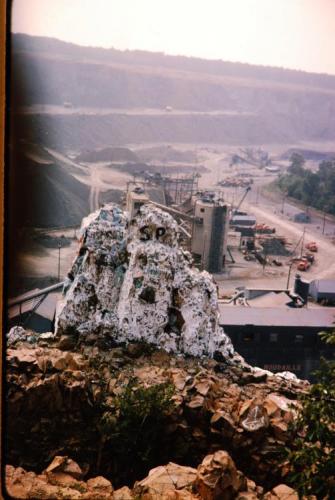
(322, 290)
(135, 199)
(280, 338)
(209, 233)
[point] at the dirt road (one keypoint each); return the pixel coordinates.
(324, 266)
(94, 178)
(95, 188)
(65, 159)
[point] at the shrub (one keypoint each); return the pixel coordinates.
(134, 429)
(311, 456)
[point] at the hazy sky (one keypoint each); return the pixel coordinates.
(297, 34)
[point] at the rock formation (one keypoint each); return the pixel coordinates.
(216, 478)
(132, 282)
(135, 310)
(55, 399)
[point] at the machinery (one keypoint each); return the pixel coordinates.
(236, 210)
(312, 246)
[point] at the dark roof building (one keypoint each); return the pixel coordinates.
(280, 338)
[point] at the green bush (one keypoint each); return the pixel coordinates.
(133, 431)
(311, 455)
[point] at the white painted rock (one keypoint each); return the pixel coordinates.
(132, 282)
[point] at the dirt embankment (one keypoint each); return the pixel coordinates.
(93, 131)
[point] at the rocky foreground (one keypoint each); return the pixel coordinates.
(57, 397)
(139, 377)
(215, 478)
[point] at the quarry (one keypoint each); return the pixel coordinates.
(166, 298)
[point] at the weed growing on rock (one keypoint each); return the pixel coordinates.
(133, 431)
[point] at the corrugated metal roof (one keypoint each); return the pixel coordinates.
(323, 317)
(156, 194)
(46, 309)
(237, 218)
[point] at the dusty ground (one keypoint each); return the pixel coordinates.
(216, 158)
(270, 212)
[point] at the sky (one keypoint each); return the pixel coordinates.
(297, 34)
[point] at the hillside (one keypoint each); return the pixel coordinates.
(46, 195)
(72, 52)
(256, 104)
(107, 154)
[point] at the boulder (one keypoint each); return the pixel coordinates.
(66, 465)
(100, 484)
(223, 422)
(256, 419)
(282, 492)
(164, 479)
(16, 334)
(218, 478)
(279, 428)
(123, 493)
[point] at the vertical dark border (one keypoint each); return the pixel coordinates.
(3, 87)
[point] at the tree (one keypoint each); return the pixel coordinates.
(314, 189)
(297, 163)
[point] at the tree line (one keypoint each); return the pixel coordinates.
(315, 189)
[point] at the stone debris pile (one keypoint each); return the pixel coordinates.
(132, 282)
(63, 478)
(54, 396)
(216, 478)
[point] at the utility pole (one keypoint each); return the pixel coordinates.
(59, 247)
(324, 223)
(302, 242)
(282, 206)
(289, 275)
